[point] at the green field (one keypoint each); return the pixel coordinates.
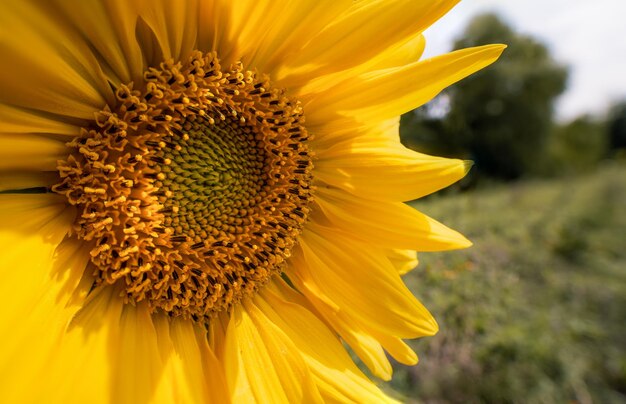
(535, 311)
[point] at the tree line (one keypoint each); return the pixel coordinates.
(502, 117)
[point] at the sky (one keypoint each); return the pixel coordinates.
(589, 36)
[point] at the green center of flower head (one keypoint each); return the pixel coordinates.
(192, 190)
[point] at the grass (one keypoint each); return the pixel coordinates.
(535, 311)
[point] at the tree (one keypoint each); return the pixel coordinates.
(577, 146)
(617, 127)
(500, 117)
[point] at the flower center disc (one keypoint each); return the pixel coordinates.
(193, 190)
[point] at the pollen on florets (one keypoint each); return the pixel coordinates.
(193, 189)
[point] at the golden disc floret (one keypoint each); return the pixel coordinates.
(193, 188)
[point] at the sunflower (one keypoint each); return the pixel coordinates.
(202, 201)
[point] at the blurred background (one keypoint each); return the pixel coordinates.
(535, 311)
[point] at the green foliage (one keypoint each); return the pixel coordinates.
(535, 311)
(617, 128)
(500, 117)
(577, 146)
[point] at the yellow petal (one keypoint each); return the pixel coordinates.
(362, 342)
(67, 367)
(403, 260)
(45, 67)
(366, 347)
(400, 54)
(15, 120)
(404, 52)
(184, 370)
(367, 341)
(192, 373)
(17, 180)
(174, 24)
(32, 153)
(387, 224)
(213, 23)
(35, 283)
(383, 94)
(82, 368)
(270, 33)
(398, 349)
(262, 363)
(42, 219)
(361, 282)
(337, 378)
(335, 139)
(386, 173)
(214, 377)
(216, 334)
(109, 28)
(109, 353)
(135, 355)
(367, 29)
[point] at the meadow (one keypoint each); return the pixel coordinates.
(535, 311)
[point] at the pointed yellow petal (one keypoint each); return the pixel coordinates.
(189, 377)
(109, 353)
(259, 353)
(78, 367)
(35, 285)
(367, 348)
(17, 180)
(285, 28)
(15, 120)
(387, 224)
(386, 173)
(174, 24)
(216, 334)
(387, 93)
(32, 153)
(400, 54)
(84, 368)
(362, 331)
(213, 24)
(109, 28)
(29, 160)
(135, 355)
(192, 373)
(403, 53)
(364, 339)
(363, 344)
(213, 369)
(366, 30)
(403, 260)
(355, 276)
(47, 68)
(337, 378)
(340, 137)
(399, 350)
(42, 219)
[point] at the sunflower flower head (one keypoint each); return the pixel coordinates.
(193, 191)
(202, 201)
